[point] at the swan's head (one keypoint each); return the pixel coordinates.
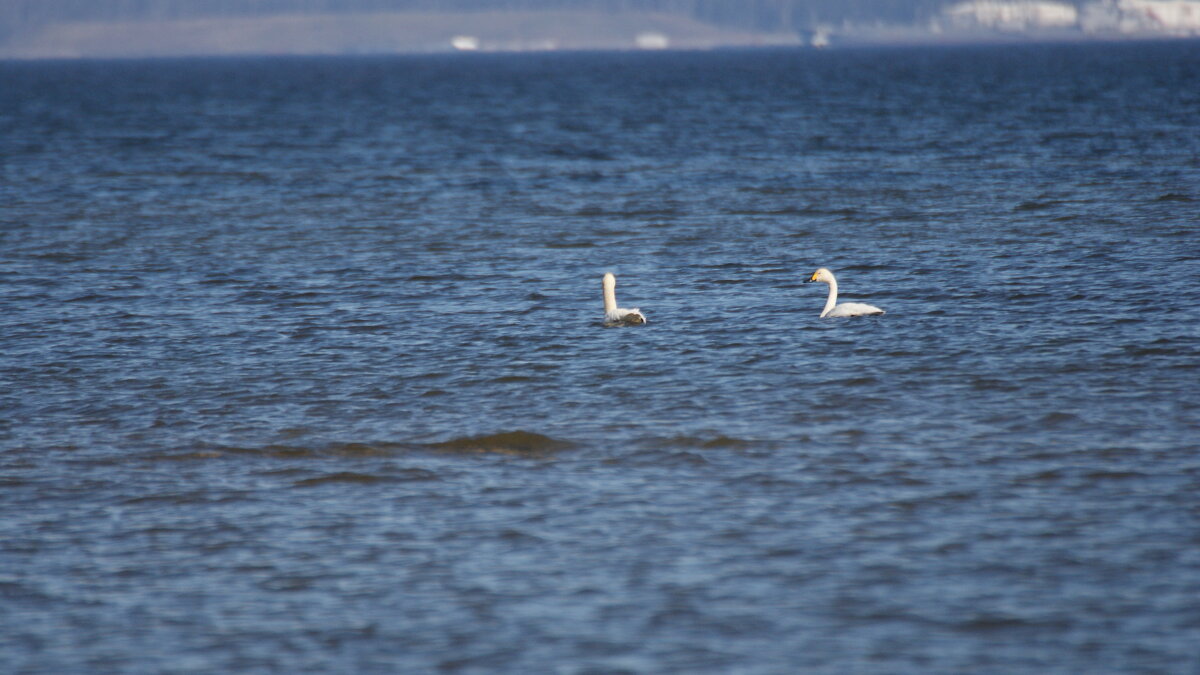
(822, 275)
(610, 282)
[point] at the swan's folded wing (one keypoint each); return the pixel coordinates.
(625, 317)
(854, 309)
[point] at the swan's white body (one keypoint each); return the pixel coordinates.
(823, 275)
(618, 316)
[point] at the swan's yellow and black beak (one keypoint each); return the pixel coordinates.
(811, 279)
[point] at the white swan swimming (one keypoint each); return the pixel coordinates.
(617, 316)
(846, 308)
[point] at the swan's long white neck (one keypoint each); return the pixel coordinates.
(832, 300)
(610, 294)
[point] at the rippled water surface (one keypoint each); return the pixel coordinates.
(302, 363)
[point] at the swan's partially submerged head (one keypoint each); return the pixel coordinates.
(822, 275)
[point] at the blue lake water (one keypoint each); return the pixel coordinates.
(302, 363)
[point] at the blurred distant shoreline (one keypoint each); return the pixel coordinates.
(383, 33)
(414, 32)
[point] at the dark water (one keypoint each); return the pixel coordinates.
(302, 366)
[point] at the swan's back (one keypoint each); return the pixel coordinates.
(854, 309)
(625, 317)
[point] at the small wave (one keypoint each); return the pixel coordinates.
(984, 623)
(221, 452)
(343, 477)
(281, 451)
(518, 443)
(633, 213)
(678, 458)
(93, 297)
(1035, 206)
(1174, 197)
(570, 244)
(436, 277)
(1160, 347)
(60, 257)
(918, 502)
(854, 381)
(518, 536)
(991, 384)
(575, 152)
(1055, 419)
(193, 497)
(1067, 136)
(779, 211)
(220, 280)
(358, 450)
(721, 441)
(765, 479)
(771, 189)
(361, 328)
(276, 451)
(185, 456)
(1114, 475)
(1049, 475)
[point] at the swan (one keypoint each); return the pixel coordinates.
(617, 316)
(846, 308)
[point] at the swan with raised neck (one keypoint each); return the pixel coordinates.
(618, 316)
(823, 275)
